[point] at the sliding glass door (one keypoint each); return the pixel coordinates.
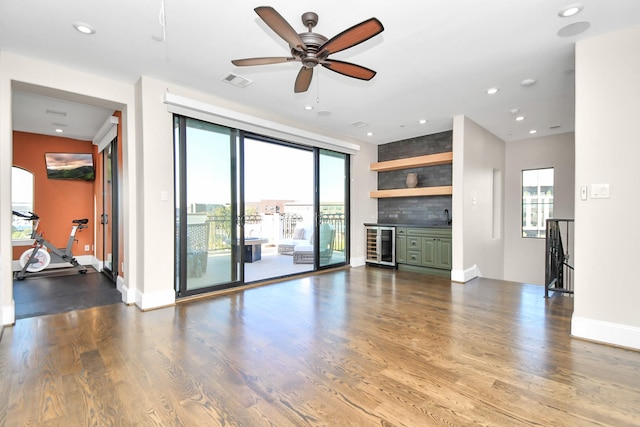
(278, 200)
(250, 208)
(333, 176)
(207, 202)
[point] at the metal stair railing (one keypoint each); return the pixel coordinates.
(558, 270)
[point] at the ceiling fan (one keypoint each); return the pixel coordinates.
(312, 48)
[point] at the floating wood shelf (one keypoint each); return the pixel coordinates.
(413, 162)
(412, 192)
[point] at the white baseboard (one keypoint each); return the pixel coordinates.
(151, 300)
(357, 261)
(606, 332)
(8, 314)
(463, 276)
(128, 295)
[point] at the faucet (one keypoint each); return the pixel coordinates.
(446, 212)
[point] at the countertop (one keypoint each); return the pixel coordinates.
(426, 224)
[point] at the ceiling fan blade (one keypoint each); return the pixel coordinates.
(303, 80)
(352, 36)
(349, 69)
(277, 23)
(262, 61)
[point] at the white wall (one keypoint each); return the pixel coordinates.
(477, 153)
(607, 288)
(363, 208)
(71, 84)
(524, 259)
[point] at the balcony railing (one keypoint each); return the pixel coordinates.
(271, 227)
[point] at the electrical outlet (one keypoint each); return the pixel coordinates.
(86, 248)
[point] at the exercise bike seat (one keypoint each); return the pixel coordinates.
(81, 221)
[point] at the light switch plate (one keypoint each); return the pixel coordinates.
(599, 191)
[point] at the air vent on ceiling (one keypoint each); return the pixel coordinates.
(57, 113)
(554, 127)
(359, 124)
(237, 80)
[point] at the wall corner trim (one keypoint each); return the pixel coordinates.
(151, 300)
(606, 332)
(463, 276)
(128, 294)
(8, 314)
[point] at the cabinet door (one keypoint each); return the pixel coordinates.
(429, 252)
(401, 249)
(444, 253)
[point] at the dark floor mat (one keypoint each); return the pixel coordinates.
(61, 291)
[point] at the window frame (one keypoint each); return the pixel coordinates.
(544, 209)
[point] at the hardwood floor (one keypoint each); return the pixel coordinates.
(364, 346)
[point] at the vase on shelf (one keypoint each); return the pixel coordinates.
(412, 180)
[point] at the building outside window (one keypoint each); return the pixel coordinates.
(537, 201)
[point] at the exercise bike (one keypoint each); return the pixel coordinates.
(38, 258)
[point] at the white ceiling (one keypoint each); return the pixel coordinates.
(435, 59)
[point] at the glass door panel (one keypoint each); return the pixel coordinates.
(206, 207)
(333, 197)
(278, 201)
(108, 219)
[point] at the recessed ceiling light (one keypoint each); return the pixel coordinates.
(369, 133)
(84, 28)
(308, 107)
(59, 130)
(422, 121)
(492, 90)
(572, 9)
(519, 118)
(532, 131)
(528, 82)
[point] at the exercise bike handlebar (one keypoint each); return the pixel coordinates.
(82, 223)
(30, 217)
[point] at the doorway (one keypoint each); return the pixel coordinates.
(59, 201)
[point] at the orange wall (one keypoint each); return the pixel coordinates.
(57, 202)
